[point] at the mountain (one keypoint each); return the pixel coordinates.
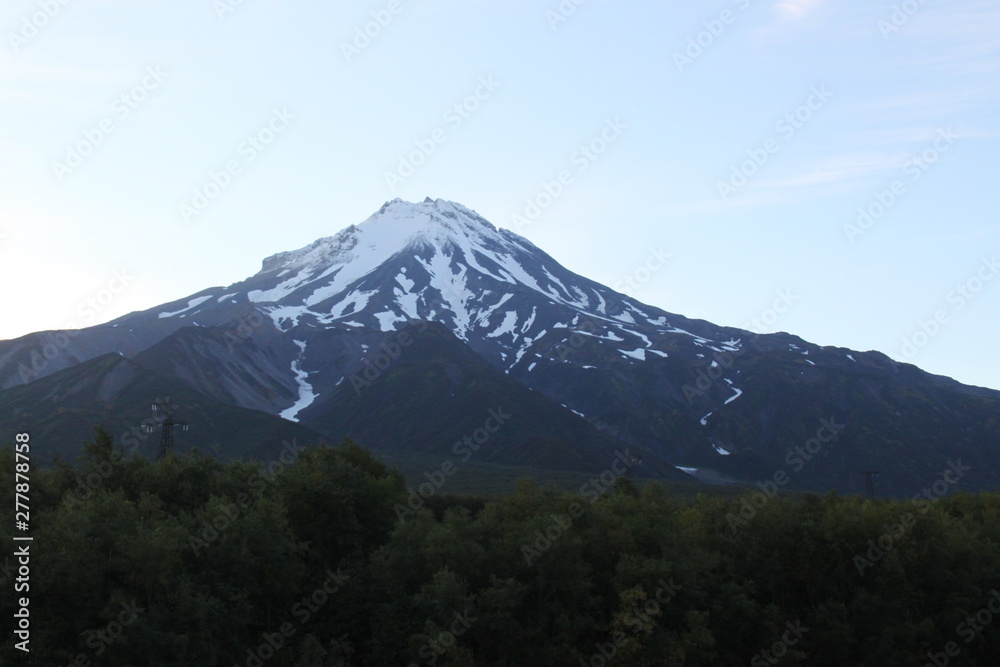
(403, 330)
(61, 410)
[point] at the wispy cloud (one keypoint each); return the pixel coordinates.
(795, 9)
(837, 169)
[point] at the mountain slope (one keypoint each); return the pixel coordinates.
(289, 340)
(440, 399)
(61, 410)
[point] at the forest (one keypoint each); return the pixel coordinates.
(325, 558)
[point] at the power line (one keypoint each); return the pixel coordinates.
(870, 477)
(167, 425)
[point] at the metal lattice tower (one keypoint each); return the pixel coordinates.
(870, 477)
(632, 461)
(167, 425)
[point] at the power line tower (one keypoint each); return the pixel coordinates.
(631, 461)
(167, 425)
(870, 477)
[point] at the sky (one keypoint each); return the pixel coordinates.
(823, 168)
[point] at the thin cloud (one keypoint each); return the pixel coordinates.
(796, 9)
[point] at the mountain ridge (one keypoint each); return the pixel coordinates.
(676, 390)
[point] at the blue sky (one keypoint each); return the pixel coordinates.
(152, 148)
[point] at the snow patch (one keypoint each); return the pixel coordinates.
(387, 320)
(404, 282)
(739, 392)
(193, 303)
(507, 326)
(280, 290)
(281, 313)
(306, 393)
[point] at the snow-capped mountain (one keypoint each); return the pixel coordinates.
(338, 322)
(439, 261)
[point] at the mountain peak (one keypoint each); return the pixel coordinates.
(397, 224)
(430, 211)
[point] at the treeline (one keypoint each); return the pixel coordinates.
(320, 559)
